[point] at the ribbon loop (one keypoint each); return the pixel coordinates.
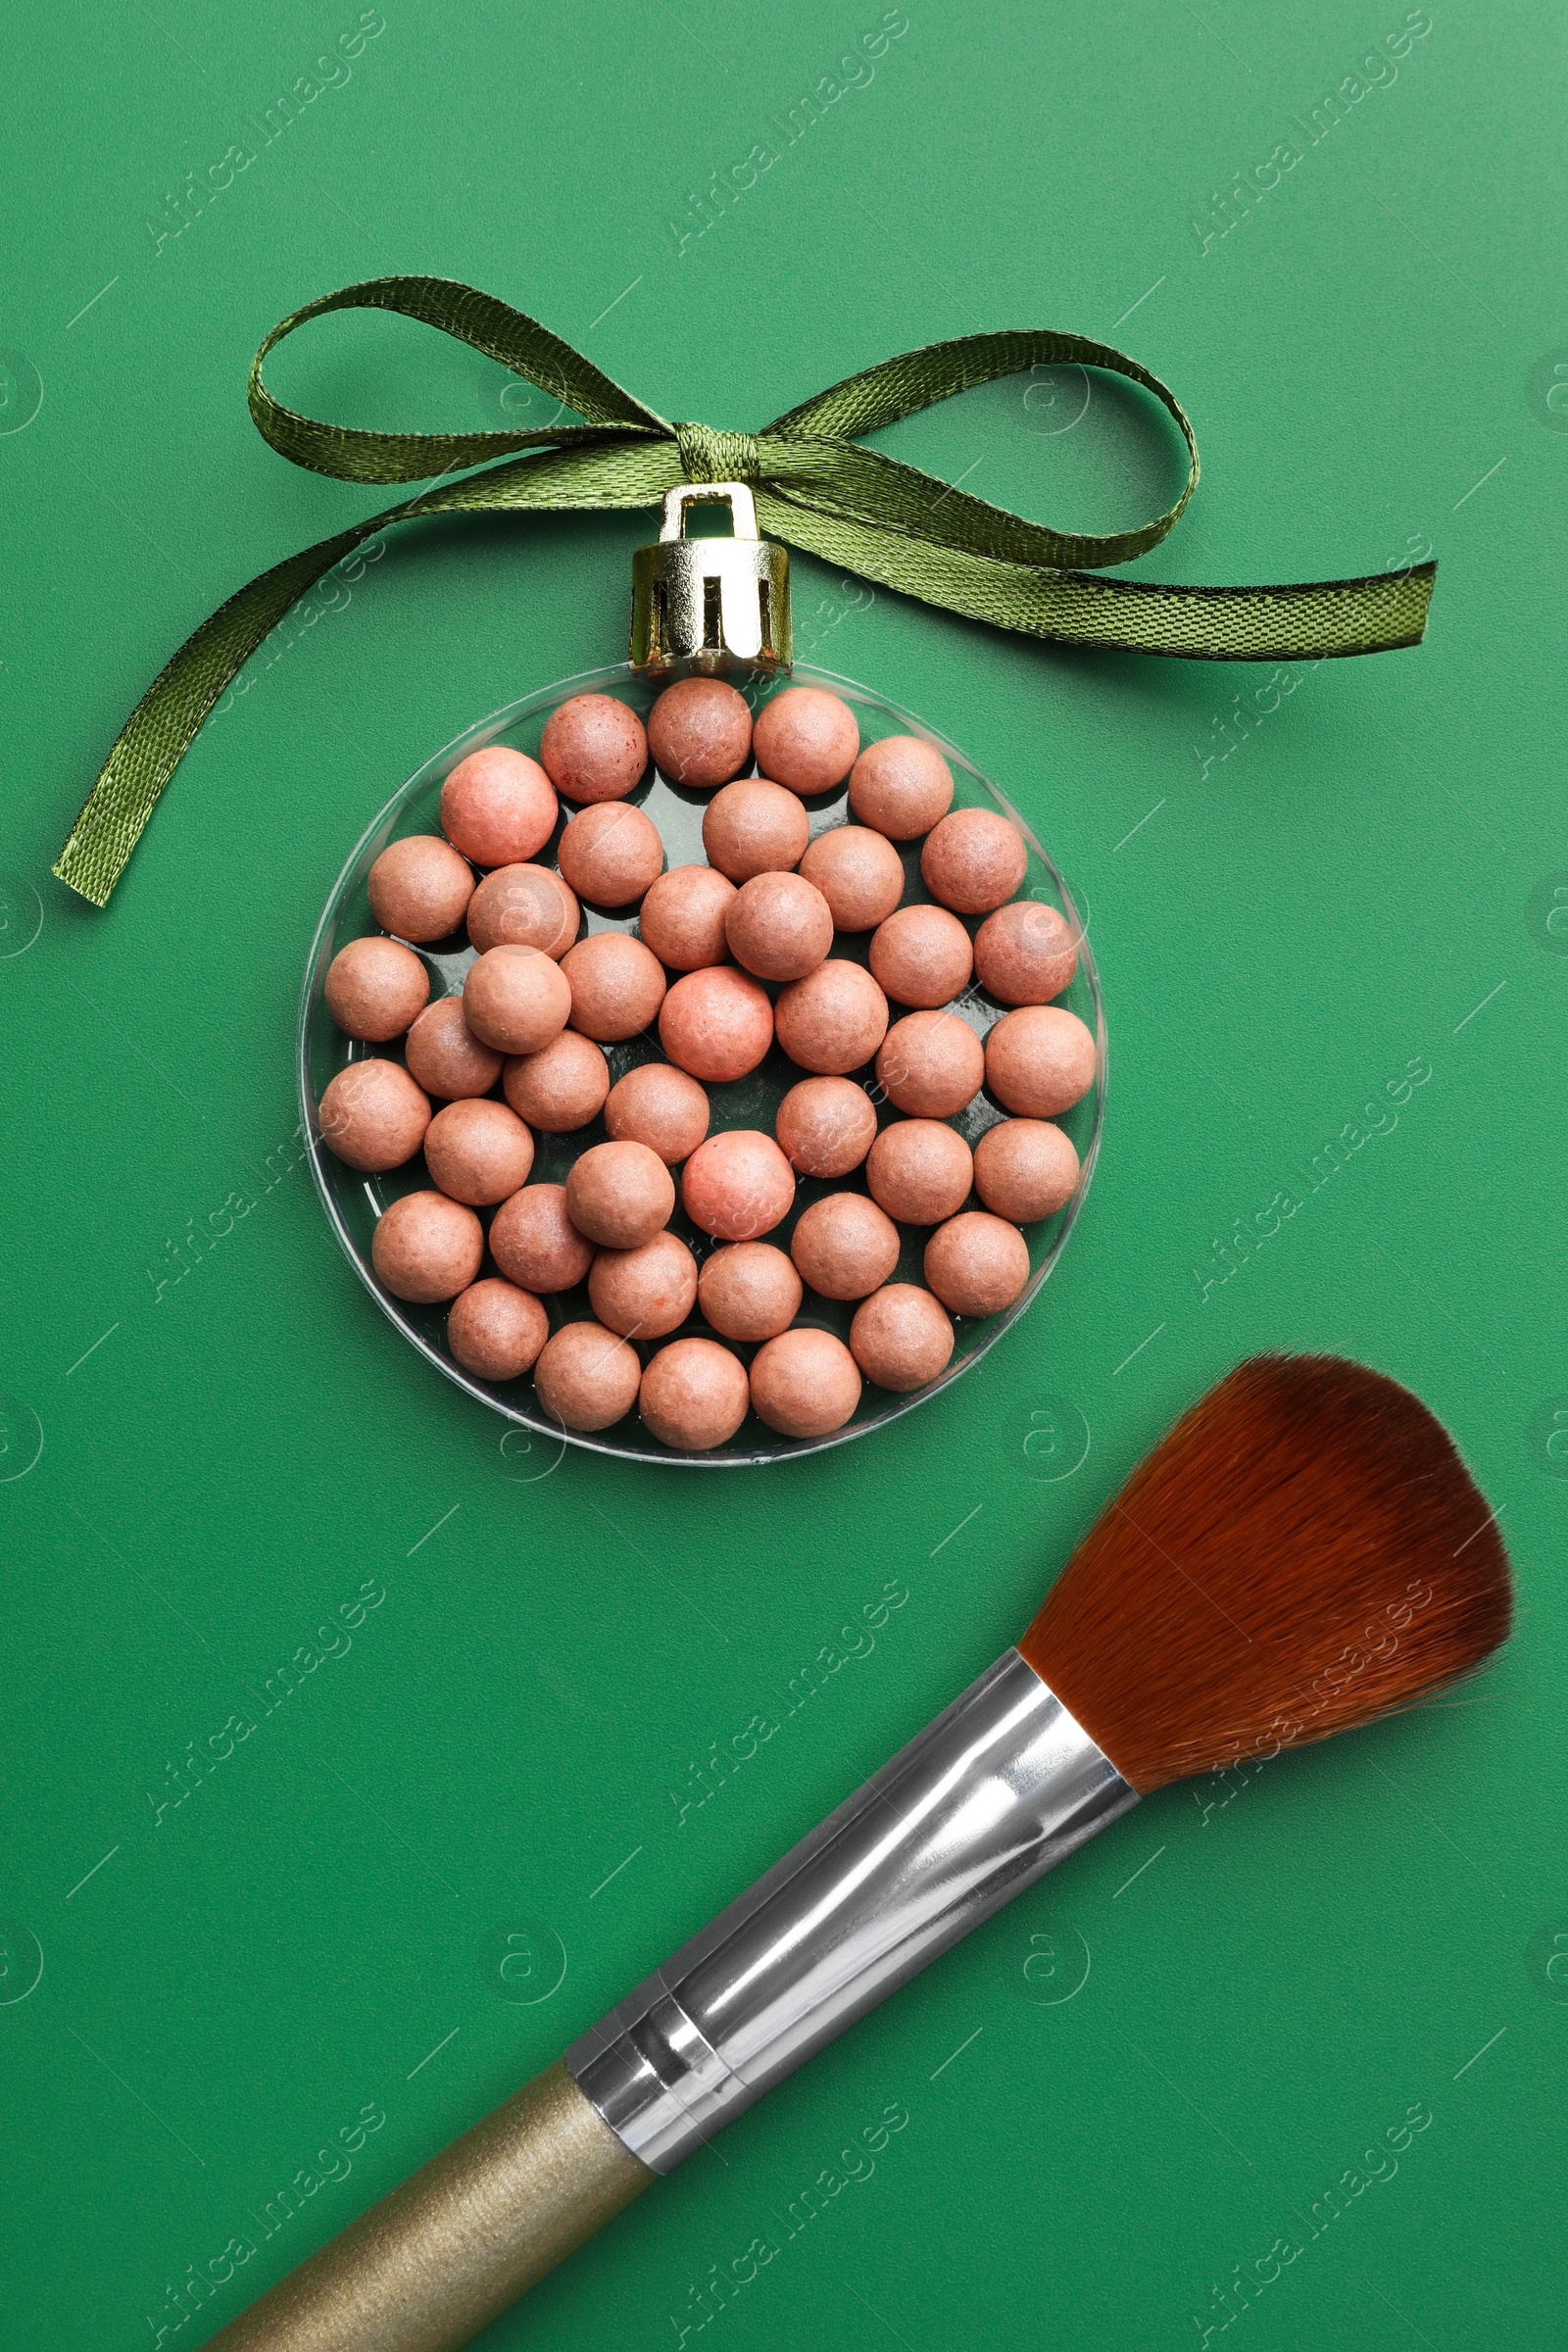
(706, 456)
(857, 508)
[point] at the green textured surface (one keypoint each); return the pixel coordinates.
(1364, 882)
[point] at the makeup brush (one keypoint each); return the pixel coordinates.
(1302, 1553)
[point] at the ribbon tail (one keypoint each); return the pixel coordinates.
(1301, 621)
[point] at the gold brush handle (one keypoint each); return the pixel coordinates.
(440, 2257)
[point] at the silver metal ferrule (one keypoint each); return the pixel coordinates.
(1003, 1785)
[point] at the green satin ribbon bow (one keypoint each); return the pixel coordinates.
(854, 508)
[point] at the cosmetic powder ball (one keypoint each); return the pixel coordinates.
(779, 927)
(921, 955)
(977, 1263)
(973, 860)
(516, 999)
(920, 1171)
(825, 1126)
(1025, 1169)
(610, 853)
(560, 1088)
(900, 1337)
(587, 1377)
(427, 1248)
(694, 1395)
(717, 1024)
(374, 988)
(805, 1383)
(446, 1058)
(749, 1291)
(833, 1020)
(523, 906)
(806, 739)
(699, 733)
(1025, 953)
(737, 1185)
(594, 747)
(373, 1115)
(495, 1331)
(682, 917)
(1040, 1061)
(931, 1065)
(619, 1194)
(900, 787)
(616, 985)
(477, 1153)
(646, 1291)
(534, 1241)
(845, 1246)
(752, 827)
(660, 1106)
(420, 886)
(859, 873)
(498, 807)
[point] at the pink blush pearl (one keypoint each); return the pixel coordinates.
(932, 1065)
(700, 732)
(646, 1291)
(495, 1331)
(900, 787)
(976, 1263)
(717, 1024)
(974, 859)
(561, 1087)
(682, 917)
(609, 853)
(444, 1055)
(737, 1185)
(658, 1106)
(1040, 1061)
(534, 1241)
(498, 807)
(1025, 953)
(374, 988)
(619, 1194)
(1025, 1169)
(516, 999)
(752, 827)
(805, 1383)
(427, 1248)
(523, 906)
(373, 1116)
(826, 1126)
(900, 1337)
(694, 1395)
(749, 1291)
(833, 1020)
(586, 1378)
(779, 927)
(921, 955)
(859, 873)
(806, 739)
(616, 985)
(477, 1153)
(845, 1246)
(920, 1171)
(420, 886)
(594, 747)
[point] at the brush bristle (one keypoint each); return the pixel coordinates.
(1303, 1553)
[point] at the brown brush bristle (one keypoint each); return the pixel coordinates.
(1303, 1551)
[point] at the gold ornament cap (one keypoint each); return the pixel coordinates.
(707, 606)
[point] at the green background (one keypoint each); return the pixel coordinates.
(1364, 882)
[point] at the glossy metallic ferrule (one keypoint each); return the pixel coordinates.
(1003, 1785)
